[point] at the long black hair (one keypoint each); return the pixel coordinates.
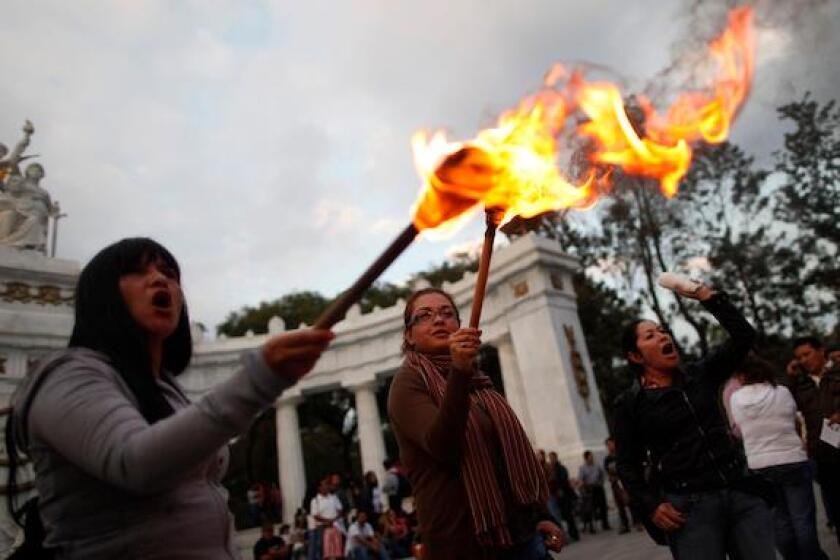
(756, 369)
(103, 322)
(629, 345)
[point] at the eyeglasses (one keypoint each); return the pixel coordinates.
(427, 316)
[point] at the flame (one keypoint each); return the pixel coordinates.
(665, 152)
(513, 167)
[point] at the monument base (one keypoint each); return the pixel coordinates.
(36, 317)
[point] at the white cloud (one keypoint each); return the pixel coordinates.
(221, 127)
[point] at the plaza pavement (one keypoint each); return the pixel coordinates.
(608, 545)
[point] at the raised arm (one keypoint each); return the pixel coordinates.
(438, 431)
(721, 362)
(84, 412)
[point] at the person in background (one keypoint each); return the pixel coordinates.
(551, 479)
(391, 487)
(620, 496)
(337, 488)
(732, 384)
(362, 542)
(275, 501)
(685, 474)
(254, 495)
(396, 533)
(833, 353)
(270, 546)
(297, 535)
(372, 496)
(326, 510)
(592, 477)
(815, 384)
(565, 494)
(765, 412)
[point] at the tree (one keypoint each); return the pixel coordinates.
(808, 200)
(295, 308)
(603, 315)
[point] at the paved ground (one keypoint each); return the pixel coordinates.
(608, 545)
(637, 545)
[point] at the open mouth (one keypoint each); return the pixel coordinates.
(162, 300)
(440, 332)
(668, 349)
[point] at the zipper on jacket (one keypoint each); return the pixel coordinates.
(703, 435)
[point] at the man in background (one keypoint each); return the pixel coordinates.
(815, 384)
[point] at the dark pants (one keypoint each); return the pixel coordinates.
(567, 511)
(315, 537)
(721, 522)
(599, 505)
(533, 549)
(619, 497)
(829, 480)
(794, 513)
(363, 553)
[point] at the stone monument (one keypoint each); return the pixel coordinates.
(25, 206)
(36, 291)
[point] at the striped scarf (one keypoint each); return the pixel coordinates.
(484, 494)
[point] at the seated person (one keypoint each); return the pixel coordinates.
(362, 542)
(396, 534)
(270, 546)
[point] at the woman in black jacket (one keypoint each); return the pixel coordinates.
(685, 475)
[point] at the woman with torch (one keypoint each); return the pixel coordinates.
(125, 465)
(480, 491)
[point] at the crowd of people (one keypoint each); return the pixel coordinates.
(348, 520)
(709, 486)
(127, 466)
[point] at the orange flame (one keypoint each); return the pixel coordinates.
(513, 166)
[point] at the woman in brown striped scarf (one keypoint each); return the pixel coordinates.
(480, 492)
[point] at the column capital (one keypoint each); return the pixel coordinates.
(289, 398)
(366, 384)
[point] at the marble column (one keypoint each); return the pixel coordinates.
(371, 441)
(512, 379)
(290, 455)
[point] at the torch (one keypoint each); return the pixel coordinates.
(337, 309)
(492, 220)
(454, 188)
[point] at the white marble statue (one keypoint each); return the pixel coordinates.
(9, 165)
(25, 208)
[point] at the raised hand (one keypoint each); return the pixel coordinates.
(294, 354)
(463, 347)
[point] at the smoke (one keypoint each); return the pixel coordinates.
(785, 29)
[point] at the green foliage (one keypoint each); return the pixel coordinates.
(294, 308)
(448, 271)
(327, 437)
(304, 307)
(808, 201)
(603, 315)
(383, 295)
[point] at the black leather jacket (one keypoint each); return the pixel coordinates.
(680, 433)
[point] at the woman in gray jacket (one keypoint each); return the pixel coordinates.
(126, 466)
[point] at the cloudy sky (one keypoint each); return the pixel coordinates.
(267, 143)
